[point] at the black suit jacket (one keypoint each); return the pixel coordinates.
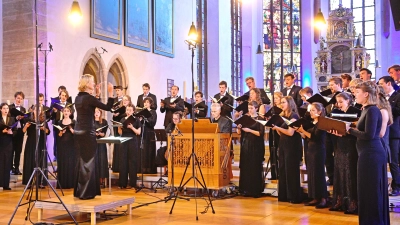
(294, 93)
(202, 113)
(224, 125)
(264, 97)
(394, 101)
(140, 104)
(226, 110)
(180, 106)
(22, 109)
(6, 139)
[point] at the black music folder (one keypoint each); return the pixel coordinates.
(273, 111)
(243, 107)
(327, 124)
(15, 112)
(326, 92)
(60, 107)
(3, 126)
(143, 113)
(242, 98)
(201, 106)
(325, 101)
(245, 121)
(129, 120)
(302, 112)
(307, 124)
(176, 101)
(119, 110)
(223, 99)
(275, 120)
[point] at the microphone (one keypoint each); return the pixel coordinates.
(40, 45)
(50, 46)
(103, 49)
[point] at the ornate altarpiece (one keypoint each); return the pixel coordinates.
(342, 51)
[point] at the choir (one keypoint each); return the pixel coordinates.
(355, 160)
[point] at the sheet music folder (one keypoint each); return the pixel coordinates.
(327, 124)
(201, 126)
(113, 140)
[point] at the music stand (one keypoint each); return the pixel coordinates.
(161, 136)
(112, 140)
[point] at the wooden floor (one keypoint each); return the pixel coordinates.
(237, 210)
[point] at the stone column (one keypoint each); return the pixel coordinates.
(19, 53)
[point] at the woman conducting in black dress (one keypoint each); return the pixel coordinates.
(316, 153)
(66, 152)
(128, 151)
(102, 159)
(87, 184)
(149, 144)
(6, 135)
(30, 146)
(373, 202)
(346, 157)
(252, 152)
(290, 148)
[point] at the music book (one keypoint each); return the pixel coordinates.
(60, 107)
(129, 120)
(54, 100)
(327, 124)
(307, 124)
(200, 106)
(100, 128)
(176, 100)
(325, 101)
(243, 107)
(275, 120)
(3, 126)
(345, 117)
(326, 92)
(274, 110)
(15, 112)
(223, 99)
(116, 122)
(41, 124)
(245, 121)
(119, 110)
(244, 97)
(143, 113)
(60, 128)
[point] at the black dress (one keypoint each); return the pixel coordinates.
(290, 148)
(66, 158)
(115, 164)
(87, 184)
(252, 152)
(102, 159)
(373, 200)
(128, 157)
(29, 154)
(149, 145)
(6, 147)
(316, 164)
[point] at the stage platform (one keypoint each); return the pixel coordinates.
(92, 206)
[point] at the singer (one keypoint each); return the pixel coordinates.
(87, 184)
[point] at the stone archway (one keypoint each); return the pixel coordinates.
(93, 64)
(117, 73)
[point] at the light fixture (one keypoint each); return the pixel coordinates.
(75, 15)
(259, 51)
(192, 36)
(319, 20)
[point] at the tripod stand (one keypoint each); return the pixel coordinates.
(192, 46)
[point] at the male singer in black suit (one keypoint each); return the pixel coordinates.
(291, 89)
(18, 138)
(169, 106)
(250, 82)
(146, 93)
(199, 111)
(365, 74)
(393, 97)
(225, 110)
(346, 79)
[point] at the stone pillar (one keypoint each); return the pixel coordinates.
(19, 53)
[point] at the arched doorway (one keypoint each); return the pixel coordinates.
(117, 74)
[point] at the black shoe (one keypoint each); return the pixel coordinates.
(395, 192)
(354, 211)
(321, 205)
(312, 203)
(12, 172)
(17, 172)
(6, 189)
(296, 202)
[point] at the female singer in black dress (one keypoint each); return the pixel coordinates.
(252, 152)
(316, 159)
(149, 144)
(6, 136)
(373, 201)
(102, 159)
(290, 148)
(273, 140)
(66, 152)
(87, 180)
(128, 151)
(346, 157)
(30, 145)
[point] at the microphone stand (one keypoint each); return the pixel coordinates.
(141, 187)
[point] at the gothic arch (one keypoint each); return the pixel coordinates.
(118, 72)
(93, 64)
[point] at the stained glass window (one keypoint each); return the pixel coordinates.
(281, 42)
(236, 49)
(202, 47)
(364, 22)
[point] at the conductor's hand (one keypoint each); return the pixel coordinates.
(110, 89)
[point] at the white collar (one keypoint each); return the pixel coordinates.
(290, 87)
(390, 94)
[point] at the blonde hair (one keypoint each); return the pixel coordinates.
(372, 89)
(384, 104)
(85, 79)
